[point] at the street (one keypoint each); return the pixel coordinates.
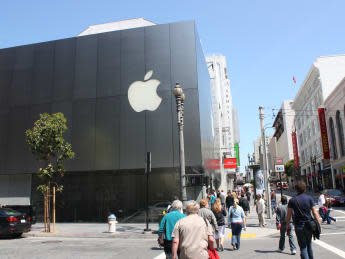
(258, 243)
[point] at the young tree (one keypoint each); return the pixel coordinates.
(51, 150)
(289, 167)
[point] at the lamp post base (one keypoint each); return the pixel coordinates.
(147, 230)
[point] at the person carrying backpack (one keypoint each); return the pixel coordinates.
(303, 206)
(244, 203)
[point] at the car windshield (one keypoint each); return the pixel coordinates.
(335, 192)
(9, 212)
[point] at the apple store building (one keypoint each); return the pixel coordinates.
(116, 91)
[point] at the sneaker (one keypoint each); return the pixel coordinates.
(279, 250)
(293, 252)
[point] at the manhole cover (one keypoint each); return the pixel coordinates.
(51, 242)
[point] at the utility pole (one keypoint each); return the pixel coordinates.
(265, 167)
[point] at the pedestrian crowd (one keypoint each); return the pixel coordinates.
(192, 235)
(201, 232)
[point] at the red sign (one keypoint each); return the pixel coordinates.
(323, 130)
(295, 149)
(230, 162)
(212, 164)
(279, 161)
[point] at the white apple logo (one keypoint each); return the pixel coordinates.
(143, 95)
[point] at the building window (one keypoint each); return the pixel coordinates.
(333, 140)
(340, 133)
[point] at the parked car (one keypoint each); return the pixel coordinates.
(13, 223)
(28, 210)
(156, 210)
(336, 197)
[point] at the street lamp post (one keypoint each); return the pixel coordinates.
(313, 164)
(265, 163)
(180, 98)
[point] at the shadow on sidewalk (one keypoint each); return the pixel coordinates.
(266, 251)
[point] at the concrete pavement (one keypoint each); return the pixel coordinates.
(94, 230)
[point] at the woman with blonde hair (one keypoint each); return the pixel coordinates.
(219, 212)
(237, 220)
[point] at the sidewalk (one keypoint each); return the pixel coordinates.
(95, 230)
(135, 230)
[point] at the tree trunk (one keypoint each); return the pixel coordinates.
(48, 207)
(45, 211)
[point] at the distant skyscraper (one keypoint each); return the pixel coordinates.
(224, 130)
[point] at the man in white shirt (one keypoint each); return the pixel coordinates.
(321, 201)
(222, 197)
(260, 208)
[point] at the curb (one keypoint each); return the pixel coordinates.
(78, 235)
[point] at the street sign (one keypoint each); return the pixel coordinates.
(279, 161)
(279, 168)
(230, 162)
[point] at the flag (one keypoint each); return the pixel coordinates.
(294, 79)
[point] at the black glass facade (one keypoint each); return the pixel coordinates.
(87, 78)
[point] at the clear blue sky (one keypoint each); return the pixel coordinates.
(266, 42)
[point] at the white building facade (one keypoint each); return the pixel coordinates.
(335, 117)
(281, 142)
(222, 113)
(324, 75)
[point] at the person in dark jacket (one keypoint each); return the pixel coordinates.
(219, 212)
(229, 201)
(302, 206)
(244, 204)
(248, 194)
(281, 214)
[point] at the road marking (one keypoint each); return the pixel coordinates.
(333, 249)
(339, 211)
(246, 235)
(340, 217)
(337, 233)
(161, 256)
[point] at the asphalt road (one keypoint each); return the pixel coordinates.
(331, 245)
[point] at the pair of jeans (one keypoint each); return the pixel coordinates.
(282, 238)
(304, 237)
(236, 229)
(168, 248)
(322, 214)
(328, 217)
(274, 206)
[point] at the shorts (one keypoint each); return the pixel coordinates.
(221, 232)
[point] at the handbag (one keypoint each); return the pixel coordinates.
(212, 253)
(312, 224)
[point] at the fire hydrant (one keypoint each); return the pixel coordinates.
(112, 223)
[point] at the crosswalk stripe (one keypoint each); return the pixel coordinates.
(160, 256)
(339, 211)
(333, 249)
